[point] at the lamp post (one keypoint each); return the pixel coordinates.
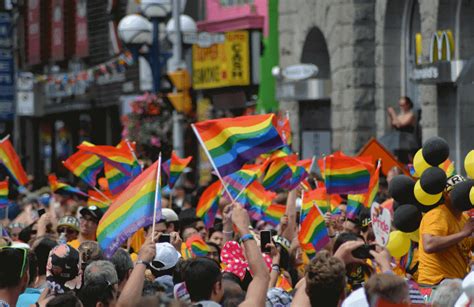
(136, 30)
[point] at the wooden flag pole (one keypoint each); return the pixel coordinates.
(212, 163)
(157, 196)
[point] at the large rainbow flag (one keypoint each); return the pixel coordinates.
(209, 203)
(132, 210)
(11, 161)
(174, 167)
(85, 166)
(58, 186)
(4, 193)
(120, 157)
(232, 142)
(346, 175)
(313, 229)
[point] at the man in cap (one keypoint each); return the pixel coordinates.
(445, 242)
(90, 217)
(163, 265)
(69, 225)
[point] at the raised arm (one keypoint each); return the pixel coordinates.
(289, 231)
(434, 244)
(257, 290)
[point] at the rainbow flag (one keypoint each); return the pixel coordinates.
(231, 142)
(279, 173)
(117, 180)
(308, 249)
(298, 174)
(132, 210)
(119, 157)
(258, 200)
(174, 167)
(448, 167)
(320, 198)
(369, 197)
(283, 283)
(346, 175)
(57, 186)
(85, 166)
(98, 200)
(313, 229)
(197, 246)
(354, 203)
(11, 161)
(259, 169)
(237, 184)
(4, 193)
(306, 164)
(209, 203)
(273, 214)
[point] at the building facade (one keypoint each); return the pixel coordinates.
(369, 53)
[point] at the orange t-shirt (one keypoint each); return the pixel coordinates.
(452, 262)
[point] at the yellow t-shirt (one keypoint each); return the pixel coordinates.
(452, 262)
(74, 243)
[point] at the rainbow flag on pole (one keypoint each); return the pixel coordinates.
(11, 161)
(4, 193)
(232, 142)
(237, 184)
(98, 200)
(85, 166)
(258, 200)
(345, 175)
(132, 210)
(354, 203)
(209, 203)
(57, 186)
(273, 214)
(319, 197)
(174, 167)
(313, 229)
(119, 157)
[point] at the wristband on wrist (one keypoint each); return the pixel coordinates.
(246, 237)
(139, 261)
(276, 267)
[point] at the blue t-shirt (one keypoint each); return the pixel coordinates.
(29, 297)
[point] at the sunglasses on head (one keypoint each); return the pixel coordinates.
(17, 251)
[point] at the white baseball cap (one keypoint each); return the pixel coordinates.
(166, 257)
(169, 215)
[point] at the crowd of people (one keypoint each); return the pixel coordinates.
(49, 256)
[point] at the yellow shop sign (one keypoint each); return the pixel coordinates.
(224, 64)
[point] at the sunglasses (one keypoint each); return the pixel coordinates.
(67, 230)
(16, 250)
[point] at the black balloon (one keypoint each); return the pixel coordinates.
(460, 195)
(433, 180)
(407, 218)
(435, 151)
(401, 189)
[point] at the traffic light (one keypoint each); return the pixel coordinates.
(180, 97)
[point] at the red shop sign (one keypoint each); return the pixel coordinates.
(82, 43)
(57, 30)
(33, 30)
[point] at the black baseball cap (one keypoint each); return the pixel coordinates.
(93, 211)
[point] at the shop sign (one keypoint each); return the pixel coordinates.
(33, 31)
(223, 64)
(300, 71)
(441, 46)
(7, 79)
(203, 39)
(57, 30)
(82, 42)
(439, 72)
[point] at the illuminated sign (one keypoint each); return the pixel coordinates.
(441, 46)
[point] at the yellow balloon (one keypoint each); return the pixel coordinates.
(414, 236)
(471, 196)
(398, 244)
(469, 164)
(424, 198)
(419, 163)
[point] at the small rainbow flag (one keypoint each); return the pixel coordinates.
(4, 193)
(313, 229)
(354, 203)
(11, 161)
(346, 175)
(320, 198)
(369, 197)
(197, 246)
(258, 200)
(448, 167)
(283, 283)
(174, 167)
(308, 249)
(284, 129)
(209, 203)
(237, 184)
(98, 200)
(57, 186)
(132, 210)
(119, 157)
(231, 142)
(259, 169)
(85, 166)
(117, 180)
(273, 214)
(279, 173)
